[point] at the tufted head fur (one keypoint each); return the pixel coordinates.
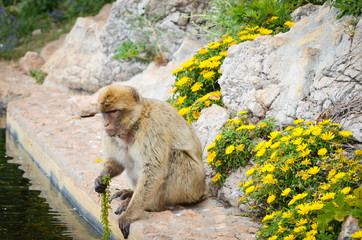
(117, 98)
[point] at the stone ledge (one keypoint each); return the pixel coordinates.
(65, 148)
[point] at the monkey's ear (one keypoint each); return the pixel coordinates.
(135, 95)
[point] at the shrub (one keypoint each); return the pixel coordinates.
(233, 147)
(299, 174)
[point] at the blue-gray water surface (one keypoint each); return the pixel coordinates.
(31, 207)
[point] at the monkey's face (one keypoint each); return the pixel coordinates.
(112, 124)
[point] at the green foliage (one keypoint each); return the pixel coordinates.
(130, 50)
(348, 7)
(38, 75)
(233, 147)
(105, 207)
(150, 46)
(301, 174)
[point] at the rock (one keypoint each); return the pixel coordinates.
(304, 11)
(76, 64)
(171, 28)
(36, 32)
(349, 226)
(207, 131)
(51, 47)
(302, 73)
(83, 105)
(31, 61)
(186, 50)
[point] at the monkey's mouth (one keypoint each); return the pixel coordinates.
(111, 132)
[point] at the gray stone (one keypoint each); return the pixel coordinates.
(302, 73)
(349, 226)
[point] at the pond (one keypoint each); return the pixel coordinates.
(30, 206)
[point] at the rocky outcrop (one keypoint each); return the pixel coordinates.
(31, 61)
(304, 73)
(85, 61)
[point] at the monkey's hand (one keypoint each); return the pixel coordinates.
(99, 186)
(124, 223)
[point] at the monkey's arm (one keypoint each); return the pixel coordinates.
(111, 167)
(152, 177)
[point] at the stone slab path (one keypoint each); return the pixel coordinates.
(65, 147)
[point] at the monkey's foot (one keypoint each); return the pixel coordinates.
(123, 206)
(124, 224)
(123, 194)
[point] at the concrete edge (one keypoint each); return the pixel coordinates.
(87, 208)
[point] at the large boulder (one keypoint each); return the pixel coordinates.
(76, 64)
(31, 61)
(313, 71)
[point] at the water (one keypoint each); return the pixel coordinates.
(30, 206)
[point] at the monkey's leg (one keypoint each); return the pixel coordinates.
(123, 194)
(123, 206)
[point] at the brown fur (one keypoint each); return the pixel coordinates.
(158, 150)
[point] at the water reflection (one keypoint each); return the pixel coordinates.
(30, 206)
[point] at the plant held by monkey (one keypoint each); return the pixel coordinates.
(105, 207)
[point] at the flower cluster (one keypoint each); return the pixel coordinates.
(8, 30)
(196, 85)
(233, 147)
(299, 174)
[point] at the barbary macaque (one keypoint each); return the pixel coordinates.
(157, 150)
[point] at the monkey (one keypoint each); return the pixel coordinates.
(157, 150)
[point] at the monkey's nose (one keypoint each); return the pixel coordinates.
(111, 132)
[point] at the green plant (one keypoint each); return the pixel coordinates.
(299, 171)
(150, 47)
(233, 147)
(38, 75)
(348, 7)
(105, 207)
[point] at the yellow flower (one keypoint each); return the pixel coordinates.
(299, 229)
(269, 179)
(303, 208)
(346, 190)
(262, 124)
(98, 160)
(274, 135)
(302, 221)
(242, 199)
(212, 145)
(345, 134)
(306, 162)
(297, 197)
(197, 86)
(240, 147)
(183, 81)
(203, 50)
(327, 196)
(316, 130)
(243, 112)
(265, 31)
(358, 152)
(313, 170)
(286, 192)
(316, 206)
(274, 18)
(174, 90)
(181, 100)
(248, 183)
(216, 178)
(213, 45)
(184, 111)
(250, 189)
(260, 152)
(324, 122)
(327, 136)
(268, 167)
(357, 234)
(281, 229)
(229, 149)
(209, 74)
(302, 146)
(177, 70)
(210, 157)
(271, 198)
(298, 121)
(305, 152)
(250, 171)
(188, 64)
(285, 168)
(259, 146)
(218, 163)
(298, 132)
(272, 156)
(223, 54)
(228, 40)
(273, 238)
(289, 24)
(275, 145)
(322, 151)
(287, 214)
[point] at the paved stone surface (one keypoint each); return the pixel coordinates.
(66, 146)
